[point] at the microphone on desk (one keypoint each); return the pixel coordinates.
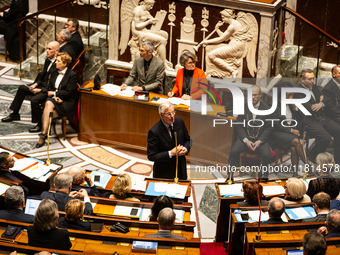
(258, 238)
(48, 161)
(174, 131)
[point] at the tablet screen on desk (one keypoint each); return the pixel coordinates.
(32, 206)
(295, 252)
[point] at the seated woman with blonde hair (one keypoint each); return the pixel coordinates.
(295, 192)
(122, 188)
(74, 216)
(44, 232)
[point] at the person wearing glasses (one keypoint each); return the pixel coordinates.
(190, 80)
(161, 144)
(254, 135)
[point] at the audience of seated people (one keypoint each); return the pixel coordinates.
(314, 244)
(122, 188)
(6, 163)
(63, 193)
(15, 200)
(45, 232)
(160, 203)
(322, 202)
(276, 207)
(295, 192)
(79, 177)
(332, 224)
(250, 194)
(74, 215)
(324, 182)
(166, 220)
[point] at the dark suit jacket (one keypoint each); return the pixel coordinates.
(335, 204)
(44, 76)
(62, 198)
(9, 176)
(165, 234)
(311, 119)
(273, 221)
(317, 218)
(15, 214)
(153, 80)
(77, 225)
(66, 91)
(91, 191)
(77, 43)
(277, 115)
(18, 9)
(332, 99)
(333, 234)
(68, 47)
(160, 142)
(254, 133)
(51, 239)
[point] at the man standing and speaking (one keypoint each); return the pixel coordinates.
(147, 72)
(161, 144)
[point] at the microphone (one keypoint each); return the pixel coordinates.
(174, 131)
(48, 161)
(258, 238)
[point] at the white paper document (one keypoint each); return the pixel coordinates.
(23, 163)
(176, 190)
(301, 213)
(138, 183)
(146, 212)
(36, 171)
(161, 186)
(127, 211)
(254, 216)
(176, 101)
(273, 190)
(3, 188)
(234, 189)
(111, 89)
(196, 106)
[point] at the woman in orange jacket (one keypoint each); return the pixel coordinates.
(189, 80)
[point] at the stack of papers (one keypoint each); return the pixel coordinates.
(176, 101)
(146, 212)
(24, 163)
(36, 171)
(273, 190)
(104, 178)
(111, 89)
(254, 216)
(128, 92)
(233, 190)
(138, 183)
(127, 211)
(162, 188)
(300, 212)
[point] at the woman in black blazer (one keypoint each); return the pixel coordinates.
(44, 232)
(73, 219)
(61, 91)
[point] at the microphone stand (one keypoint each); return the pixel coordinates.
(304, 152)
(258, 238)
(176, 178)
(48, 161)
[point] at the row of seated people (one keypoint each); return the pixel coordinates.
(45, 231)
(54, 77)
(259, 135)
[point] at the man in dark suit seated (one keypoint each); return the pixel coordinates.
(15, 200)
(161, 144)
(37, 91)
(276, 207)
(253, 138)
(322, 202)
(63, 194)
(317, 125)
(7, 162)
(314, 243)
(64, 38)
(332, 95)
(147, 71)
(8, 26)
(72, 25)
(79, 176)
(166, 220)
(332, 224)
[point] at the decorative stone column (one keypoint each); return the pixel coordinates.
(114, 29)
(290, 23)
(265, 47)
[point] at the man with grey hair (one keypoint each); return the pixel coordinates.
(161, 144)
(166, 220)
(79, 176)
(37, 91)
(332, 224)
(63, 194)
(276, 207)
(15, 200)
(64, 38)
(317, 125)
(147, 73)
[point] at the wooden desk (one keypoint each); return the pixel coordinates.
(331, 250)
(122, 121)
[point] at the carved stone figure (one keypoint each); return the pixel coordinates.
(138, 18)
(225, 59)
